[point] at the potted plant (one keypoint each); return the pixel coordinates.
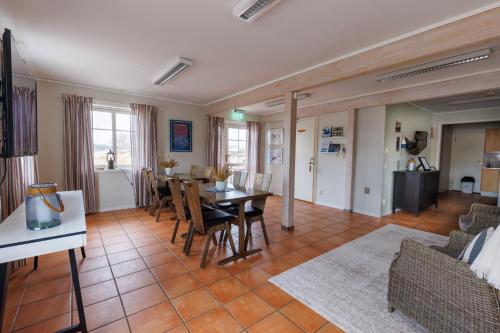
(221, 175)
(169, 164)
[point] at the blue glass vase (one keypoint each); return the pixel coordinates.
(43, 206)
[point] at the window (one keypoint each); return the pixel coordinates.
(111, 131)
(237, 146)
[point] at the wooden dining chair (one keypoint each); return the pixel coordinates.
(193, 172)
(161, 196)
(205, 222)
(243, 179)
(207, 174)
(255, 212)
(145, 178)
(257, 180)
(236, 178)
(175, 188)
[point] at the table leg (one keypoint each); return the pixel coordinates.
(4, 283)
(242, 251)
(82, 325)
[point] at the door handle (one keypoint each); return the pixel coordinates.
(311, 163)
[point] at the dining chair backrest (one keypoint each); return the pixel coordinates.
(266, 182)
(257, 181)
(208, 172)
(193, 172)
(236, 178)
(243, 178)
(152, 182)
(193, 198)
(175, 189)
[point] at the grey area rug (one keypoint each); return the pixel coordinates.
(348, 285)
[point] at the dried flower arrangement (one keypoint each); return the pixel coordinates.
(169, 163)
(222, 174)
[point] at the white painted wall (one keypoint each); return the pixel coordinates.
(50, 136)
(463, 117)
(108, 184)
(275, 170)
(412, 119)
(369, 160)
(331, 169)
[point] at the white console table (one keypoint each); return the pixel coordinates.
(17, 242)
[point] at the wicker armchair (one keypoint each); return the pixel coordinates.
(479, 218)
(442, 293)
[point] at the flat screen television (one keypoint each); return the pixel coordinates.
(19, 110)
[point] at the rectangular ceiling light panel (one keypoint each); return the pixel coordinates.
(250, 10)
(461, 59)
(175, 68)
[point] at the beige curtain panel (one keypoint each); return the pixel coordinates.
(78, 148)
(143, 139)
(254, 129)
(216, 148)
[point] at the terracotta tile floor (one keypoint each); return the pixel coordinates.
(135, 280)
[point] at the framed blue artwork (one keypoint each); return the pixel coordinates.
(181, 136)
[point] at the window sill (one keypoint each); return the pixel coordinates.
(120, 170)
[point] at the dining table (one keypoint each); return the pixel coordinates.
(238, 196)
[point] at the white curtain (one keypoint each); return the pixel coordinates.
(216, 155)
(143, 140)
(254, 129)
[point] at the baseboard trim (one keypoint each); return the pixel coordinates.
(109, 209)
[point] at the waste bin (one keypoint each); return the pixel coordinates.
(467, 184)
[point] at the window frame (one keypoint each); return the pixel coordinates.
(237, 125)
(114, 111)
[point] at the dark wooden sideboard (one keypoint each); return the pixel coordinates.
(415, 191)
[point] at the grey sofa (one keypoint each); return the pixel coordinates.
(440, 292)
(479, 218)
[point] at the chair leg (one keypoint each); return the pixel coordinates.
(205, 249)
(248, 233)
(189, 239)
(263, 225)
(230, 238)
(214, 239)
(82, 249)
(177, 222)
(162, 205)
(221, 236)
(152, 209)
(35, 263)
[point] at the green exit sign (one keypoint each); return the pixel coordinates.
(238, 115)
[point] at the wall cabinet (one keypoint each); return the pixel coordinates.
(415, 191)
(489, 180)
(492, 140)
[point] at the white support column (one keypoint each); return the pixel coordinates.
(290, 124)
(349, 179)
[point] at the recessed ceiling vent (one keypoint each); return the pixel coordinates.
(250, 10)
(461, 59)
(175, 68)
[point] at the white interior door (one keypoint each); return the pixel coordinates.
(305, 159)
(467, 154)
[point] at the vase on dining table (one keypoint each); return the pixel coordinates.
(220, 186)
(169, 171)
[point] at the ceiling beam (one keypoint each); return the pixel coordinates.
(445, 88)
(465, 33)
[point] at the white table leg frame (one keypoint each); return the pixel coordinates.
(81, 326)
